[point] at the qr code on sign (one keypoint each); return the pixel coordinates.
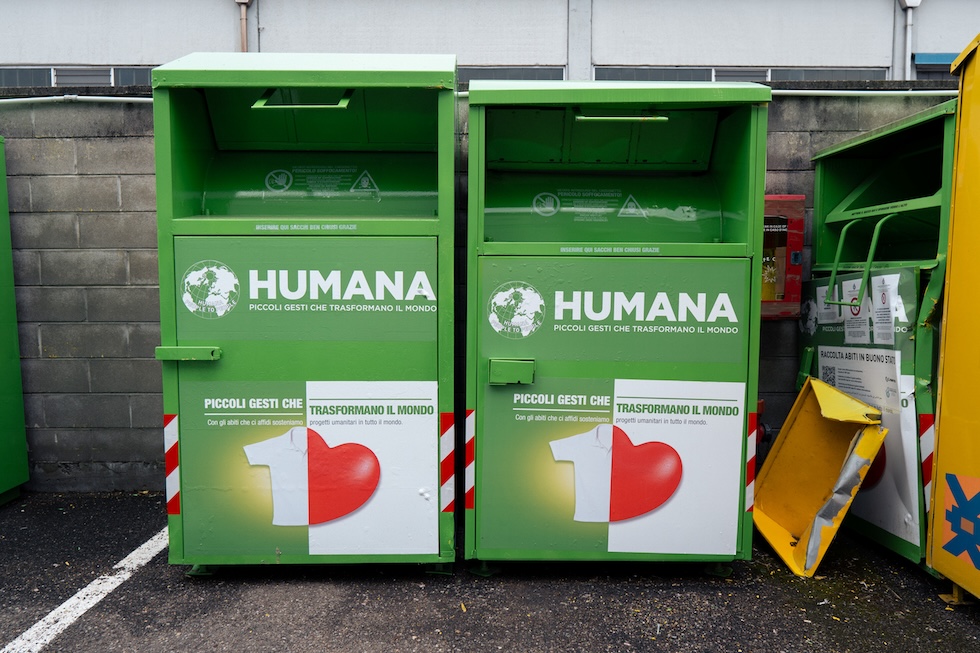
(828, 374)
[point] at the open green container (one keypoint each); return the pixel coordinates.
(871, 314)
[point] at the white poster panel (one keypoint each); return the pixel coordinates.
(703, 422)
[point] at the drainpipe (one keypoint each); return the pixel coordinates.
(908, 6)
(877, 93)
(244, 5)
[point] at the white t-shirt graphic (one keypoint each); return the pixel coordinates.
(616, 480)
(591, 452)
(287, 459)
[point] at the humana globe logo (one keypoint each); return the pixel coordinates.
(515, 310)
(210, 289)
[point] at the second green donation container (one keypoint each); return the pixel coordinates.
(615, 241)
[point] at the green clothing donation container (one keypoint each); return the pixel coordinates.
(614, 279)
(13, 441)
(305, 207)
(871, 314)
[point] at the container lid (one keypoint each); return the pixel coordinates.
(243, 69)
(939, 111)
(692, 94)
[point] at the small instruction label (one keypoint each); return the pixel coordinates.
(828, 313)
(305, 226)
(608, 249)
(882, 315)
(321, 180)
(857, 327)
(585, 204)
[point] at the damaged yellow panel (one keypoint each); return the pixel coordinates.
(815, 468)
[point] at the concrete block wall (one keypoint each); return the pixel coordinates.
(82, 201)
(83, 226)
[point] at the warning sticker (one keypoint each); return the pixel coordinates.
(631, 209)
(546, 204)
(279, 181)
(364, 183)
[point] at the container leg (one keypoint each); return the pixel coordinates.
(9, 495)
(958, 597)
(719, 569)
(440, 568)
(199, 571)
(484, 570)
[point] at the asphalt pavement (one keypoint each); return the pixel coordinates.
(53, 545)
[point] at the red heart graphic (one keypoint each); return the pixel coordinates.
(643, 477)
(341, 478)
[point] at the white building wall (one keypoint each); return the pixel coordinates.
(766, 33)
(573, 33)
(478, 32)
(944, 25)
(114, 32)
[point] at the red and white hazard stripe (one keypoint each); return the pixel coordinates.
(470, 476)
(447, 461)
(447, 458)
(171, 460)
(927, 444)
(750, 447)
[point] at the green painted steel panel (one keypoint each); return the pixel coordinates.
(319, 338)
(375, 118)
(649, 357)
(601, 137)
(305, 212)
(13, 443)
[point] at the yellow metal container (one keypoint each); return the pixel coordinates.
(954, 528)
(815, 468)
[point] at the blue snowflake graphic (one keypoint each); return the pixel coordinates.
(964, 520)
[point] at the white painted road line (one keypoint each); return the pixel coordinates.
(40, 634)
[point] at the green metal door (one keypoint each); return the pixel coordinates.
(611, 407)
(314, 429)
